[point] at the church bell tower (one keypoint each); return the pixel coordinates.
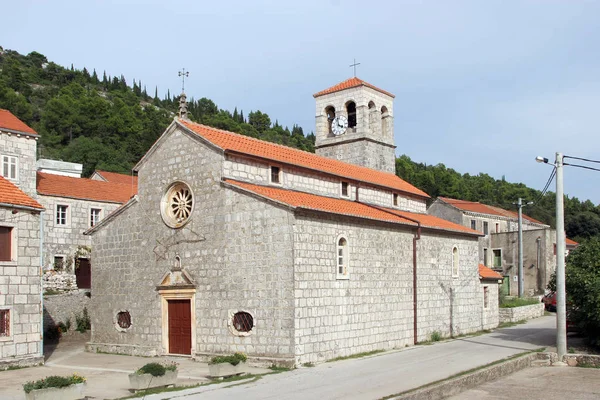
(355, 124)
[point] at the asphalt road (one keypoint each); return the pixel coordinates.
(389, 373)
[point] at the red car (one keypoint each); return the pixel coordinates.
(549, 301)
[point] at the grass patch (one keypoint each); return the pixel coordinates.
(51, 292)
(518, 302)
(463, 373)
(588, 366)
(510, 324)
(357, 355)
(278, 370)
(308, 364)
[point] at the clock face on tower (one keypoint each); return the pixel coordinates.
(339, 125)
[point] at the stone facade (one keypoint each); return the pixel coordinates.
(23, 147)
(68, 240)
(489, 298)
(244, 253)
(64, 308)
(371, 142)
(20, 290)
(523, 313)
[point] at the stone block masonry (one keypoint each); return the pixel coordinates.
(516, 314)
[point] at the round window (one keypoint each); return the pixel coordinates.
(242, 323)
(177, 205)
(123, 321)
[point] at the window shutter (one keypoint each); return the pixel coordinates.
(5, 243)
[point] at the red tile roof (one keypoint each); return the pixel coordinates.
(11, 194)
(485, 209)
(83, 188)
(234, 142)
(571, 242)
(10, 122)
(488, 273)
(348, 84)
(314, 202)
(115, 177)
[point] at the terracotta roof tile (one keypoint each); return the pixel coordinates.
(9, 121)
(488, 273)
(485, 209)
(571, 242)
(348, 84)
(11, 194)
(115, 177)
(234, 142)
(83, 188)
(349, 208)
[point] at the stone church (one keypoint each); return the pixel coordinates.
(236, 244)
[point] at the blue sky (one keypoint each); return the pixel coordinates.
(481, 86)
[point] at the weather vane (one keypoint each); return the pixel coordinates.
(184, 74)
(354, 66)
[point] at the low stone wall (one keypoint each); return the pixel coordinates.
(59, 281)
(582, 360)
(21, 362)
(516, 314)
(63, 307)
(123, 349)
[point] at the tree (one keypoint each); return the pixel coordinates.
(582, 281)
(259, 120)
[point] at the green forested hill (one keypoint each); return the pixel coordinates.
(107, 123)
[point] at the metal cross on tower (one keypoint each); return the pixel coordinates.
(184, 74)
(354, 66)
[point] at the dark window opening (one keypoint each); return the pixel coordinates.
(59, 263)
(345, 189)
(275, 174)
(4, 323)
(351, 109)
(473, 224)
(5, 243)
(124, 319)
(497, 228)
(485, 256)
(243, 321)
(395, 199)
(497, 258)
(330, 112)
(485, 228)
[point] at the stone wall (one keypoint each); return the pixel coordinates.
(516, 314)
(490, 315)
(247, 170)
(20, 289)
(64, 307)
(236, 249)
(52, 280)
(373, 308)
(24, 148)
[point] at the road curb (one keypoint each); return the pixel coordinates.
(454, 386)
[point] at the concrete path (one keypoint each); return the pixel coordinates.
(388, 373)
(541, 383)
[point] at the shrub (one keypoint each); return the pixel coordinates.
(436, 336)
(518, 302)
(53, 382)
(235, 359)
(83, 321)
(64, 327)
(154, 369)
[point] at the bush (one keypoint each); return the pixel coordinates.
(53, 382)
(83, 321)
(154, 369)
(436, 336)
(235, 359)
(64, 327)
(582, 282)
(518, 302)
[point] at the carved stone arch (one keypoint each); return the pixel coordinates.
(385, 122)
(371, 105)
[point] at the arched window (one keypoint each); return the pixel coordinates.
(384, 121)
(371, 106)
(342, 258)
(330, 112)
(351, 110)
(455, 261)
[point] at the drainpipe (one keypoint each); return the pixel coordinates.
(41, 283)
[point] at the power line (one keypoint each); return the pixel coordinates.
(543, 192)
(582, 166)
(582, 159)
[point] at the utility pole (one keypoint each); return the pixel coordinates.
(561, 309)
(520, 206)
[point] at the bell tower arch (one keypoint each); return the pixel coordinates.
(354, 124)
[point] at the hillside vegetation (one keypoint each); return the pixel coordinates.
(105, 123)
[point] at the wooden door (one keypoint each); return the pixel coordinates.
(180, 327)
(83, 274)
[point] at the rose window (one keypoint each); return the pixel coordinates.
(177, 205)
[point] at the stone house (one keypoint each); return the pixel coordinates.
(236, 244)
(20, 245)
(73, 204)
(490, 281)
(498, 247)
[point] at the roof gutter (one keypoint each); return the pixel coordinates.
(28, 208)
